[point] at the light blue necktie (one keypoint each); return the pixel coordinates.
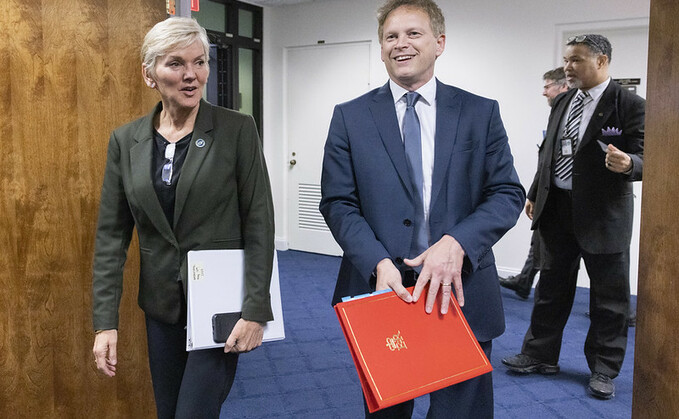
(412, 139)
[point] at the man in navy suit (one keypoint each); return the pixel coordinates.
(397, 231)
(581, 204)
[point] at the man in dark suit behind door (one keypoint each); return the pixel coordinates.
(581, 203)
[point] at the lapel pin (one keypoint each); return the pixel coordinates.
(200, 143)
(601, 114)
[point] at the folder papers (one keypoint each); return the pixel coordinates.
(401, 352)
(216, 285)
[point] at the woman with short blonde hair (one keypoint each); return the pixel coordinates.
(187, 176)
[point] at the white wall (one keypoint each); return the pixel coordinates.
(497, 49)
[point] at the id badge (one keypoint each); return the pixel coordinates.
(566, 147)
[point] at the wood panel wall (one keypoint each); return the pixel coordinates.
(656, 366)
(70, 74)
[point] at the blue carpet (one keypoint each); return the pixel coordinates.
(310, 374)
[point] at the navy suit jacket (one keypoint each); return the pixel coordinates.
(367, 199)
(603, 201)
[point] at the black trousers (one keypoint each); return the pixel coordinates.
(532, 265)
(606, 340)
(187, 384)
(468, 399)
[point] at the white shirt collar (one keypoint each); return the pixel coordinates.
(427, 91)
(596, 91)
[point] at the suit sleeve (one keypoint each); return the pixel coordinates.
(532, 191)
(545, 150)
(113, 235)
(633, 129)
(341, 203)
(257, 223)
(501, 200)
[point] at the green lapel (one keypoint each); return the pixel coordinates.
(142, 185)
(201, 141)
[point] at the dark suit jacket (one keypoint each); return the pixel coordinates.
(367, 199)
(223, 201)
(603, 202)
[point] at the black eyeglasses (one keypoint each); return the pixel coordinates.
(585, 39)
(166, 174)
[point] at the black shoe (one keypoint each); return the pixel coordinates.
(525, 364)
(515, 285)
(601, 386)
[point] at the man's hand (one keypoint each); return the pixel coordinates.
(530, 207)
(441, 267)
(617, 161)
(388, 276)
(245, 336)
(105, 351)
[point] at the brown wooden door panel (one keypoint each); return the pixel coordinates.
(656, 366)
(71, 74)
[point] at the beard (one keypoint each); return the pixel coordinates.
(574, 84)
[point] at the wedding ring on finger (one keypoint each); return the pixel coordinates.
(445, 285)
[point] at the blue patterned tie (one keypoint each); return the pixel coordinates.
(564, 164)
(412, 139)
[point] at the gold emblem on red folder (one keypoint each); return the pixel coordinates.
(396, 342)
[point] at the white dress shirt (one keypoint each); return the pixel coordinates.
(587, 112)
(426, 113)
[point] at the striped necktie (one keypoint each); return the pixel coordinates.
(564, 164)
(412, 139)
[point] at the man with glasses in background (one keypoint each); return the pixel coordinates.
(554, 84)
(581, 203)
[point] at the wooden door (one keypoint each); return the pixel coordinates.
(656, 358)
(71, 73)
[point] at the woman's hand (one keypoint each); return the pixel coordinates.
(245, 336)
(105, 351)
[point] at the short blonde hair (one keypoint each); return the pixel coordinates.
(171, 34)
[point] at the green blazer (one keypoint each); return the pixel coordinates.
(223, 201)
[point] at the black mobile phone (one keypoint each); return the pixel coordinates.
(222, 325)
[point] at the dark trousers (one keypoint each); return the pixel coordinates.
(609, 293)
(187, 384)
(532, 265)
(468, 399)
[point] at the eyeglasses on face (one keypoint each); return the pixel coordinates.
(166, 174)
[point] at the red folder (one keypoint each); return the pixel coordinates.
(401, 352)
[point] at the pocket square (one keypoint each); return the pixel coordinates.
(611, 132)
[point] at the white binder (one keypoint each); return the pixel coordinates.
(215, 284)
